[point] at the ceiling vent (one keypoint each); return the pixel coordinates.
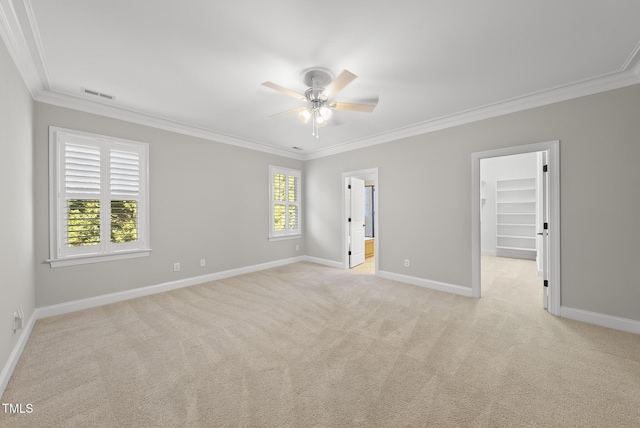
(98, 94)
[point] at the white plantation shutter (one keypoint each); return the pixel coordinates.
(124, 173)
(285, 207)
(98, 193)
(293, 190)
(80, 199)
(82, 169)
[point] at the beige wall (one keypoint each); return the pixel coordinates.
(208, 200)
(424, 191)
(16, 194)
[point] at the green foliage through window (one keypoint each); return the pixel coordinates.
(124, 221)
(279, 217)
(279, 187)
(84, 222)
(285, 206)
(293, 217)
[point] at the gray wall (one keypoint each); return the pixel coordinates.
(424, 196)
(208, 200)
(16, 194)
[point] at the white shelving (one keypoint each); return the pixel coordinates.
(516, 217)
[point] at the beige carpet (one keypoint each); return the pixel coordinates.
(310, 346)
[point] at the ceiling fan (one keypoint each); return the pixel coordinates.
(323, 88)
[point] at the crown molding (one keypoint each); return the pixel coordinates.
(18, 47)
(26, 52)
(89, 106)
(562, 93)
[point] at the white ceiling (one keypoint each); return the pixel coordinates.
(196, 66)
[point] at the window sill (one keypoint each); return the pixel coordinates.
(284, 238)
(83, 260)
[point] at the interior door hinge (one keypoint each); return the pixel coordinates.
(349, 252)
(349, 220)
(546, 282)
(545, 226)
(349, 186)
(545, 168)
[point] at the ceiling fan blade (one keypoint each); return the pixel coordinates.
(285, 91)
(338, 84)
(365, 108)
(284, 113)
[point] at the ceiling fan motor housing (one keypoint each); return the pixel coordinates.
(314, 96)
(317, 77)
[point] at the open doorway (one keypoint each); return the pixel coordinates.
(511, 228)
(527, 223)
(360, 221)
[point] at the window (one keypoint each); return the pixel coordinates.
(285, 211)
(99, 203)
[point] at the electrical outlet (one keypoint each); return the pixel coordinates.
(17, 319)
(203, 262)
(176, 267)
(406, 263)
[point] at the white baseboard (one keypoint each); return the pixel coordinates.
(434, 285)
(324, 262)
(516, 254)
(609, 321)
(14, 357)
(92, 302)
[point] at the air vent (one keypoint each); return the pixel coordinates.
(98, 94)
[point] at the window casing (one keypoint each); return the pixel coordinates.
(285, 208)
(98, 198)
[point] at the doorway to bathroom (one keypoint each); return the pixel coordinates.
(360, 221)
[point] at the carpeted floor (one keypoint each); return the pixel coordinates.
(305, 345)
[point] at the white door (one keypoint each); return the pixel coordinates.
(544, 231)
(356, 221)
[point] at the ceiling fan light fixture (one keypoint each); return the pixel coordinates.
(325, 113)
(322, 89)
(305, 115)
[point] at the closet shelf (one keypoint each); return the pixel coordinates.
(516, 214)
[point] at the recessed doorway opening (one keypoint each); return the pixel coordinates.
(361, 241)
(523, 217)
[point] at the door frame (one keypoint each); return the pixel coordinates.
(367, 174)
(553, 150)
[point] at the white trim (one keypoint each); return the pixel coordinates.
(32, 67)
(84, 260)
(518, 254)
(287, 172)
(14, 357)
(59, 255)
(609, 321)
(538, 99)
(427, 283)
(553, 149)
(105, 299)
(368, 174)
(111, 111)
(325, 262)
(284, 238)
(18, 47)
